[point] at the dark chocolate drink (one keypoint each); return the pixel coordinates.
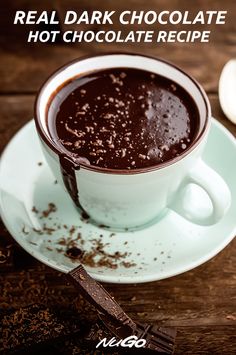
(123, 118)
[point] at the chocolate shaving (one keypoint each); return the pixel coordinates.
(51, 208)
(27, 329)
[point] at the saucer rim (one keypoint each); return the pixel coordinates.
(112, 278)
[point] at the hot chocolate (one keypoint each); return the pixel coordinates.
(123, 118)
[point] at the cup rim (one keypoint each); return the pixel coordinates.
(56, 149)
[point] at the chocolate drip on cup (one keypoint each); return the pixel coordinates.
(68, 165)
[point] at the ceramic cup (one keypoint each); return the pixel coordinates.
(133, 198)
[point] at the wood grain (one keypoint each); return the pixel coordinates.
(25, 66)
(201, 302)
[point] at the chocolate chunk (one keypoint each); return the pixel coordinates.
(102, 300)
(158, 339)
(74, 252)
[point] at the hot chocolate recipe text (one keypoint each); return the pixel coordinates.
(196, 26)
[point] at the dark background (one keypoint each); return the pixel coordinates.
(201, 303)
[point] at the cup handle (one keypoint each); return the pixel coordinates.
(216, 188)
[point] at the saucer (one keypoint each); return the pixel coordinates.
(40, 216)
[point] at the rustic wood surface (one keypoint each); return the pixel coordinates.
(201, 302)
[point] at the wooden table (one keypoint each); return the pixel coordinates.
(201, 302)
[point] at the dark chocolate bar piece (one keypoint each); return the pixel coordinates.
(158, 339)
(95, 293)
(34, 326)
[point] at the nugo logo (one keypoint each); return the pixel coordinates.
(128, 342)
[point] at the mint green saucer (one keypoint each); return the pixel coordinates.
(164, 249)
